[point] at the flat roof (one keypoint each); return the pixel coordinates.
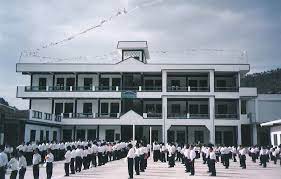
(271, 123)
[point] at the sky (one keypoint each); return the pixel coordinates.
(173, 25)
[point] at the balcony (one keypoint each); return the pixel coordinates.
(227, 89)
(44, 117)
(226, 116)
(187, 116)
(187, 89)
(106, 115)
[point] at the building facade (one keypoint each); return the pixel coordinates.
(136, 99)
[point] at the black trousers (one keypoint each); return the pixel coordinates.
(35, 169)
(213, 167)
(66, 169)
(100, 161)
(22, 173)
(14, 174)
(131, 167)
(187, 165)
(2, 172)
(192, 169)
(243, 161)
(226, 160)
(142, 163)
(94, 160)
(137, 165)
(49, 170)
(78, 164)
(263, 160)
(72, 169)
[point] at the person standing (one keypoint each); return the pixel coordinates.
(72, 160)
(137, 159)
(243, 152)
(212, 162)
(36, 161)
(49, 164)
(130, 158)
(192, 157)
(186, 154)
(226, 157)
(67, 157)
(14, 165)
(22, 165)
(263, 156)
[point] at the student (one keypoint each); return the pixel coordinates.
(72, 160)
(68, 158)
(14, 165)
(192, 157)
(263, 156)
(212, 162)
(243, 152)
(36, 161)
(22, 165)
(130, 158)
(3, 162)
(186, 158)
(49, 163)
(137, 159)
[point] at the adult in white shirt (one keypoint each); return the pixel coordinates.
(192, 157)
(243, 152)
(49, 164)
(130, 159)
(263, 156)
(212, 162)
(67, 161)
(186, 154)
(137, 159)
(13, 165)
(72, 160)
(22, 165)
(36, 161)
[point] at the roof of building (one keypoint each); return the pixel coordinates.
(272, 123)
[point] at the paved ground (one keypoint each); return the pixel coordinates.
(118, 169)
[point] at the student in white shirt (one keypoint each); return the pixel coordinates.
(49, 163)
(137, 159)
(72, 160)
(67, 157)
(130, 158)
(192, 157)
(36, 161)
(212, 162)
(14, 165)
(22, 165)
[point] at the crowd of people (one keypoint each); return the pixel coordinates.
(86, 154)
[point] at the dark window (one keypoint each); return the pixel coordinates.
(154, 135)
(81, 134)
(116, 82)
(148, 83)
(114, 109)
(158, 108)
(58, 108)
(243, 107)
(193, 83)
(60, 83)
(117, 137)
(104, 108)
(55, 135)
(88, 83)
(41, 135)
(204, 109)
(199, 136)
(203, 83)
(70, 82)
(218, 137)
(92, 134)
(68, 108)
(109, 135)
(175, 83)
(104, 83)
(47, 136)
(87, 108)
(32, 135)
(176, 108)
(221, 83)
(42, 83)
(222, 108)
(150, 108)
(158, 83)
(275, 139)
(193, 109)
(67, 134)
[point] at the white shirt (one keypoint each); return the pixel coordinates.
(49, 158)
(13, 164)
(36, 159)
(137, 152)
(73, 154)
(131, 153)
(67, 156)
(3, 159)
(212, 155)
(192, 154)
(187, 153)
(22, 162)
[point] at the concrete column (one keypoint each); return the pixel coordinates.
(134, 132)
(150, 136)
(212, 81)
(254, 134)
(164, 81)
(212, 119)
(239, 138)
(86, 134)
(164, 117)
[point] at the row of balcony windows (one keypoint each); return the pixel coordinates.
(118, 88)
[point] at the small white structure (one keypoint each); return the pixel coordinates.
(275, 131)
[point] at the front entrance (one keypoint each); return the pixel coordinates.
(109, 135)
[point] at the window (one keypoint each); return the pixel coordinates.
(176, 108)
(104, 83)
(203, 83)
(114, 109)
(88, 83)
(47, 135)
(221, 83)
(92, 134)
(175, 83)
(218, 137)
(222, 108)
(67, 134)
(41, 135)
(80, 134)
(109, 135)
(68, 108)
(275, 139)
(58, 108)
(243, 107)
(60, 83)
(32, 135)
(87, 108)
(158, 83)
(192, 83)
(199, 136)
(158, 108)
(104, 108)
(194, 109)
(150, 108)
(204, 109)
(55, 135)
(42, 83)
(116, 82)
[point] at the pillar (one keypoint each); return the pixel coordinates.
(239, 139)
(164, 81)
(134, 132)
(254, 135)
(164, 117)
(212, 80)
(150, 136)
(212, 119)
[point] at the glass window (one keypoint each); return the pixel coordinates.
(275, 139)
(32, 135)
(176, 108)
(222, 108)
(158, 108)
(194, 109)
(175, 83)
(41, 135)
(199, 136)
(218, 137)
(221, 83)
(47, 135)
(58, 108)
(88, 83)
(87, 108)
(204, 109)
(243, 107)
(192, 83)
(104, 108)
(80, 134)
(55, 135)
(104, 83)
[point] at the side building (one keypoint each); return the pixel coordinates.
(137, 98)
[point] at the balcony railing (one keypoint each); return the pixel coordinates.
(227, 89)
(152, 115)
(226, 116)
(187, 89)
(91, 115)
(89, 88)
(187, 116)
(38, 115)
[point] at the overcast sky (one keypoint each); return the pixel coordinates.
(250, 25)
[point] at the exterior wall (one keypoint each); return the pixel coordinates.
(38, 128)
(42, 105)
(275, 130)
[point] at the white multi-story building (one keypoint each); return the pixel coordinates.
(137, 99)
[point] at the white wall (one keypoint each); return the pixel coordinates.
(42, 105)
(269, 110)
(38, 128)
(275, 130)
